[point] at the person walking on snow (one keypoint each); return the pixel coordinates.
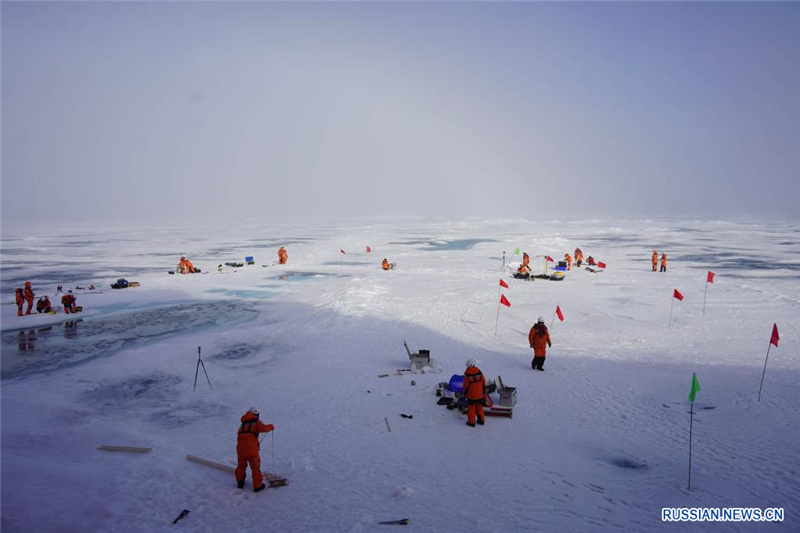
(539, 339)
(664, 262)
(474, 391)
(568, 259)
(20, 295)
(655, 259)
(29, 297)
(247, 448)
(282, 255)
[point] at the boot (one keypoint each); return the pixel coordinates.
(240, 484)
(471, 425)
(259, 489)
(480, 421)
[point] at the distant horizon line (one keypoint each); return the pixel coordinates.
(316, 220)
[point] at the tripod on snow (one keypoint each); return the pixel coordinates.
(197, 370)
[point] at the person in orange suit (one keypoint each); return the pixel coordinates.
(578, 257)
(474, 391)
(190, 267)
(282, 255)
(182, 265)
(568, 259)
(385, 264)
(539, 339)
(20, 295)
(524, 269)
(29, 297)
(43, 305)
(247, 448)
(664, 262)
(68, 300)
(655, 260)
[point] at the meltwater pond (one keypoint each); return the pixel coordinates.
(76, 341)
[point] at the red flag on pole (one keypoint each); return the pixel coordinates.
(601, 264)
(559, 313)
(503, 283)
(710, 278)
(548, 258)
(341, 251)
(677, 295)
(369, 249)
(504, 300)
(774, 339)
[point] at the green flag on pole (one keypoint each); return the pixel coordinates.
(516, 251)
(695, 387)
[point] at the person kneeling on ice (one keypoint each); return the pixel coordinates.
(386, 264)
(43, 305)
(539, 339)
(247, 448)
(68, 300)
(474, 391)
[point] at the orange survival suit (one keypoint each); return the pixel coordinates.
(247, 448)
(568, 259)
(68, 300)
(474, 391)
(578, 257)
(525, 268)
(20, 301)
(385, 264)
(282, 255)
(539, 340)
(43, 305)
(29, 297)
(655, 260)
(664, 262)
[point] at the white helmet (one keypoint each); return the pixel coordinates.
(540, 320)
(471, 362)
(253, 410)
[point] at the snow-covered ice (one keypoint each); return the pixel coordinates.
(598, 442)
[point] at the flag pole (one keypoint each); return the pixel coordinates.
(704, 297)
(554, 317)
(504, 261)
(764, 372)
(497, 319)
(671, 305)
(691, 420)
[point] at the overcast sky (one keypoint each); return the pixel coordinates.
(157, 111)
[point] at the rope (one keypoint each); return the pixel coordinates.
(273, 451)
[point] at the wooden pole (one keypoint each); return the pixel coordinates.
(691, 420)
(212, 464)
(497, 319)
(123, 449)
(554, 317)
(704, 298)
(764, 372)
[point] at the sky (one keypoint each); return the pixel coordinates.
(116, 112)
